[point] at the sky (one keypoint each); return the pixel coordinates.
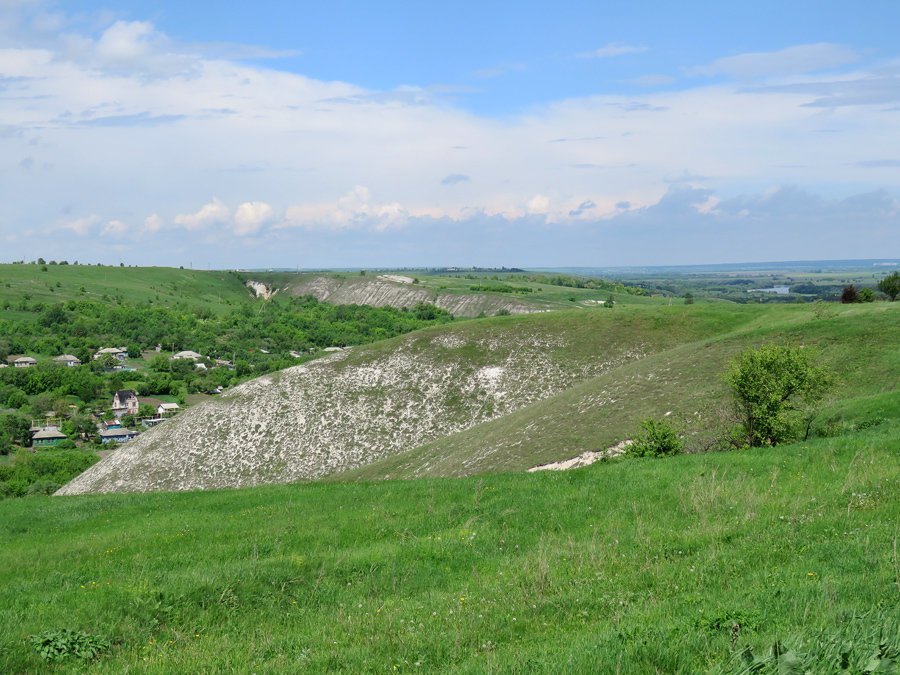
(391, 134)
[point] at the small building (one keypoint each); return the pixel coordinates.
(164, 409)
(68, 360)
(118, 353)
(48, 436)
(187, 354)
(125, 402)
(118, 435)
(152, 421)
(24, 362)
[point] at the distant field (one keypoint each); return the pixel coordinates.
(631, 566)
(133, 285)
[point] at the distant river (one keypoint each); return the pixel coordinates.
(780, 290)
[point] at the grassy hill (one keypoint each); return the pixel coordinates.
(501, 394)
(215, 290)
(631, 566)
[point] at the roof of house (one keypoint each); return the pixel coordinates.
(118, 433)
(169, 406)
(124, 394)
(111, 350)
(67, 357)
(187, 354)
(25, 359)
(49, 432)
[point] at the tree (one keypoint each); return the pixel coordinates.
(866, 295)
(890, 285)
(775, 390)
(689, 298)
(849, 294)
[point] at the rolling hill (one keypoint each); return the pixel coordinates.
(500, 394)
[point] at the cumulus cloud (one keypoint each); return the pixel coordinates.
(81, 226)
(126, 41)
(114, 228)
(249, 217)
(213, 213)
(153, 223)
(356, 209)
(789, 61)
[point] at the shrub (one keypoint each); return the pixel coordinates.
(849, 294)
(657, 439)
(58, 645)
(775, 388)
(866, 295)
(890, 285)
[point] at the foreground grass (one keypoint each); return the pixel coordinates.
(632, 566)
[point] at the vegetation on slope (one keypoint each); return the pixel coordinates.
(632, 566)
(686, 380)
(352, 409)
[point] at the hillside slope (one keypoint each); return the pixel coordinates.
(637, 566)
(390, 291)
(685, 383)
(353, 408)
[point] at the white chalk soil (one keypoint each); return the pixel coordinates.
(585, 458)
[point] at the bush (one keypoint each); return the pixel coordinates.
(58, 645)
(890, 285)
(775, 390)
(866, 295)
(657, 439)
(849, 294)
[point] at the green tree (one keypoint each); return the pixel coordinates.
(775, 390)
(866, 295)
(689, 298)
(890, 285)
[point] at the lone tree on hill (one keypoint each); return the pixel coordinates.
(890, 285)
(775, 391)
(849, 294)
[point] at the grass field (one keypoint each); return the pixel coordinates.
(629, 566)
(214, 290)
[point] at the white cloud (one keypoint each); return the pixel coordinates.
(356, 209)
(250, 216)
(81, 226)
(126, 41)
(611, 49)
(153, 223)
(114, 228)
(789, 61)
(213, 213)
(539, 204)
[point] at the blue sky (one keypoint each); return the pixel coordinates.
(402, 133)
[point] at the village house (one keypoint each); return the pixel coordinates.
(118, 353)
(125, 402)
(24, 362)
(118, 435)
(165, 409)
(68, 360)
(187, 354)
(48, 436)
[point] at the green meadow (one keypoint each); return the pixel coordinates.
(632, 566)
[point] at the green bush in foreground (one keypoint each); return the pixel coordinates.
(59, 645)
(658, 439)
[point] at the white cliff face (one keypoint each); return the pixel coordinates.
(260, 290)
(396, 291)
(346, 410)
